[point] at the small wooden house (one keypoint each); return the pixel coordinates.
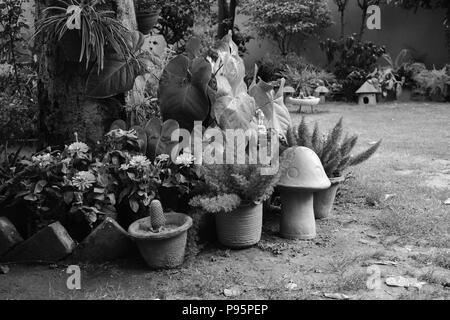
(367, 94)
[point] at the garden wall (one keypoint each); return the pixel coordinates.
(400, 29)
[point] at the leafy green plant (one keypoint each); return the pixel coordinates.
(434, 84)
(184, 92)
(69, 186)
(306, 80)
(97, 28)
(11, 39)
(286, 20)
(227, 186)
(333, 151)
(112, 54)
(351, 61)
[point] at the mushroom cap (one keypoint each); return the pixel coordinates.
(305, 172)
(367, 87)
(321, 89)
(289, 89)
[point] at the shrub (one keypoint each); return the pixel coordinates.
(282, 20)
(308, 79)
(351, 61)
(434, 84)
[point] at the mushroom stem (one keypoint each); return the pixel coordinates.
(297, 219)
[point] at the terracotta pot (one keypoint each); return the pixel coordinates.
(297, 218)
(147, 20)
(164, 249)
(324, 199)
(240, 228)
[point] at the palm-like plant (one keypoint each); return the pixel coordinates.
(333, 150)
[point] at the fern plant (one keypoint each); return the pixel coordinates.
(228, 186)
(333, 150)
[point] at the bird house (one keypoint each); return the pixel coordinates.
(367, 94)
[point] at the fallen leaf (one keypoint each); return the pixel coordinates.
(4, 269)
(368, 242)
(336, 296)
(318, 271)
(400, 281)
(447, 202)
(388, 196)
(381, 262)
(291, 286)
(232, 292)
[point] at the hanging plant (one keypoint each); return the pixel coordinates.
(96, 29)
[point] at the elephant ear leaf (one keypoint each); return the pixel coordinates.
(183, 93)
(193, 47)
(117, 76)
(141, 138)
(159, 137)
(272, 105)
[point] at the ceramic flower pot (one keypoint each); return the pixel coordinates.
(324, 199)
(146, 20)
(164, 249)
(240, 228)
(297, 218)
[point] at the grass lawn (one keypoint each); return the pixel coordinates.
(391, 209)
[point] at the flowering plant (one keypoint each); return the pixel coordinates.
(70, 186)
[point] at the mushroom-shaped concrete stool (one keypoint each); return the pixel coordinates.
(305, 176)
(321, 91)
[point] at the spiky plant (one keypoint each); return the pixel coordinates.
(333, 150)
(157, 218)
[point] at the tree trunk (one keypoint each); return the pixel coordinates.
(222, 15)
(226, 16)
(342, 23)
(63, 107)
(363, 23)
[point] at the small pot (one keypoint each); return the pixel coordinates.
(164, 249)
(240, 228)
(297, 218)
(324, 199)
(146, 20)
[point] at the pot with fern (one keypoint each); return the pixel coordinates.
(335, 154)
(234, 194)
(161, 237)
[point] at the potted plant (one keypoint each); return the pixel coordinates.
(335, 154)
(161, 237)
(234, 193)
(146, 15)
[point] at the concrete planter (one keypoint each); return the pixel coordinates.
(164, 249)
(324, 199)
(240, 228)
